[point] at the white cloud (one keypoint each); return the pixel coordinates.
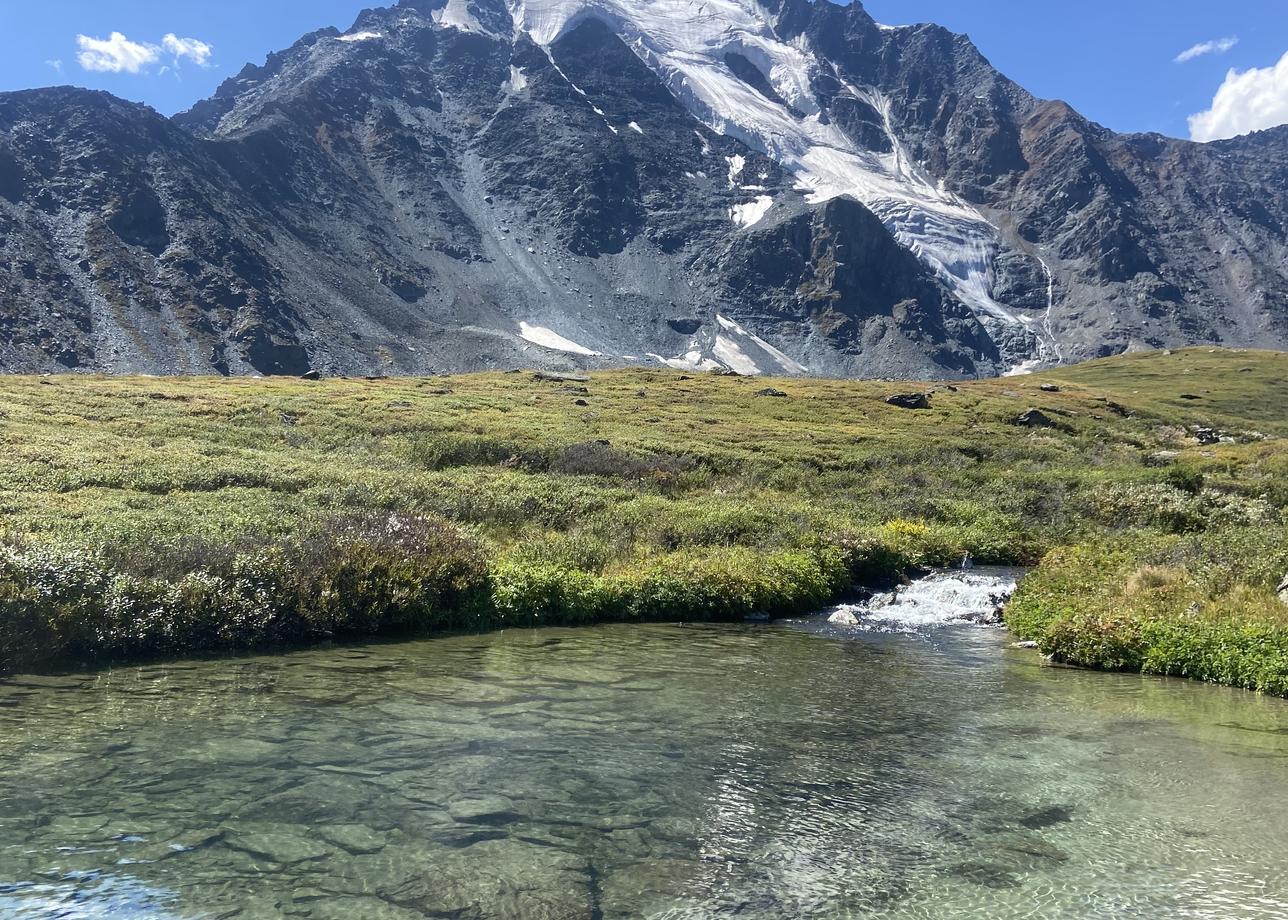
(1247, 101)
(56, 64)
(116, 54)
(194, 49)
(1216, 46)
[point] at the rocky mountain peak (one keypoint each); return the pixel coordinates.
(786, 187)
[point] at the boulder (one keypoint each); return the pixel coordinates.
(843, 617)
(1034, 418)
(771, 393)
(1283, 590)
(311, 375)
(910, 401)
(1049, 388)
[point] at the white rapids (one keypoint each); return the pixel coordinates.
(960, 597)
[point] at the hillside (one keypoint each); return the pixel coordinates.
(162, 516)
(783, 188)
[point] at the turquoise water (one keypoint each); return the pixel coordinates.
(784, 771)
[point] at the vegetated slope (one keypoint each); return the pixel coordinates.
(782, 188)
(159, 516)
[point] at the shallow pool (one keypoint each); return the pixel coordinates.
(783, 771)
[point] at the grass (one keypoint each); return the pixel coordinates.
(166, 516)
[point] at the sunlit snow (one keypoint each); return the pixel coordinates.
(751, 212)
(685, 42)
(359, 37)
(456, 15)
(547, 338)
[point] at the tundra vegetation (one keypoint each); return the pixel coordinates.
(156, 517)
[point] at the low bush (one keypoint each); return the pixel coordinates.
(1202, 606)
(351, 577)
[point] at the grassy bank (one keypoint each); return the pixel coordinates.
(149, 516)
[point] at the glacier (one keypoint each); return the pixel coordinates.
(685, 42)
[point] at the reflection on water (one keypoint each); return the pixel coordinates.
(654, 771)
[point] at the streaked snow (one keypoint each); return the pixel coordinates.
(785, 363)
(685, 43)
(692, 360)
(547, 338)
(731, 355)
(518, 80)
(737, 164)
(750, 213)
(735, 348)
(456, 15)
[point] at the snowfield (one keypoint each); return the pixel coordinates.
(685, 42)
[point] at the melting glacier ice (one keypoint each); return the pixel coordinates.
(685, 42)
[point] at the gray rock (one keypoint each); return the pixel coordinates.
(1283, 590)
(910, 401)
(1034, 418)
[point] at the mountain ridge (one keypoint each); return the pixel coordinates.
(434, 190)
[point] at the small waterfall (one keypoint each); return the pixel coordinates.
(966, 596)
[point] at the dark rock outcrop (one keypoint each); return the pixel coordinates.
(910, 401)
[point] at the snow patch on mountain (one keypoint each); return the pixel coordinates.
(359, 37)
(456, 15)
(775, 356)
(548, 338)
(686, 43)
(752, 212)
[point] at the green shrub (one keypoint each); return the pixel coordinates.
(350, 577)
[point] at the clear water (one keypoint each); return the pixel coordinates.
(756, 772)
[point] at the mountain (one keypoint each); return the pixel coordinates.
(781, 188)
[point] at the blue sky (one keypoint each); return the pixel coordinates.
(1115, 60)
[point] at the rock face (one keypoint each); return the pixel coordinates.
(783, 188)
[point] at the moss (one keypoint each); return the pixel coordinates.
(196, 514)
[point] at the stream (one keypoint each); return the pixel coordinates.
(899, 761)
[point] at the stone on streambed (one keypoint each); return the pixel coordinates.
(355, 838)
(283, 844)
(368, 908)
(522, 881)
(483, 809)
